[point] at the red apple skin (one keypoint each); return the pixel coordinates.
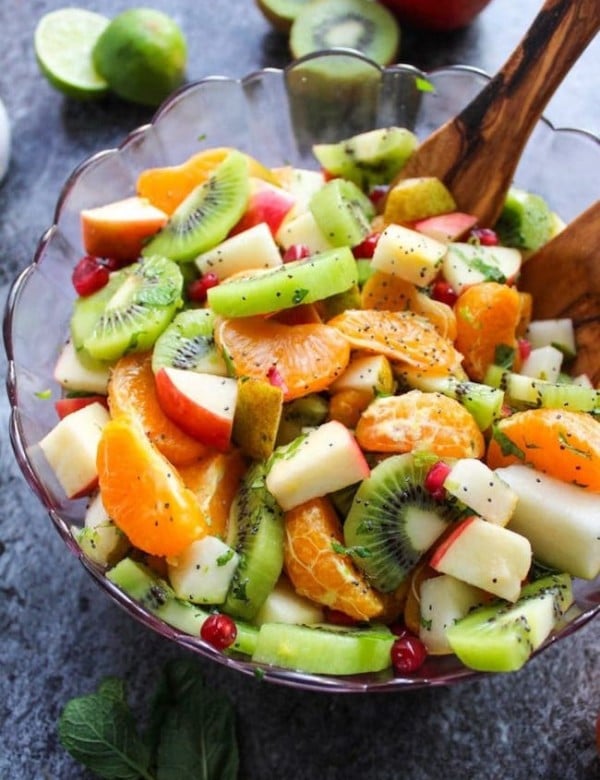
(65, 406)
(197, 421)
(446, 227)
(434, 14)
(448, 541)
(267, 203)
(87, 490)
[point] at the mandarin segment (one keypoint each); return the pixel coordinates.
(402, 336)
(306, 358)
(132, 392)
(420, 421)
(317, 570)
(563, 444)
(143, 493)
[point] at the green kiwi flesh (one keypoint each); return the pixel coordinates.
(525, 222)
(354, 24)
(343, 212)
(281, 13)
(188, 343)
(256, 534)
(207, 214)
(130, 312)
(369, 158)
(394, 520)
(274, 289)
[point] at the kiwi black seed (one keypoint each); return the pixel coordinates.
(188, 343)
(394, 519)
(281, 13)
(207, 214)
(130, 312)
(363, 25)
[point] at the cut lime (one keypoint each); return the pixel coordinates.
(63, 42)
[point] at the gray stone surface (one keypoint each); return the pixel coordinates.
(59, 633)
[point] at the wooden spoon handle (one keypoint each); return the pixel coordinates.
(477, 152)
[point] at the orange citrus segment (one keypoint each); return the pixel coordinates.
(132, 392)
(565, 445)
(142, 492)
(214, 480)
(306, 358)
(317, 571)
(420, 421)
(402, 336)
(487, 318)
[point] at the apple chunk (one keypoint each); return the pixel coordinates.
(119, 229)
(323, 460)
(268, 204)
(446, 227)
(203, 405)
(408, 254)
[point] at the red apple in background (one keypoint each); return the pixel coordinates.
(267, 203)
(441, 15)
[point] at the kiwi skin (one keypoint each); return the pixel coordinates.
(281, 13)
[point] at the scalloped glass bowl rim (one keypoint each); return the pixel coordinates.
(440, 670)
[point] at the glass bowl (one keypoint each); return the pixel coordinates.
(276, 116)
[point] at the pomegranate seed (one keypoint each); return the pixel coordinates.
(219, 631)
(198, 289)
(276, 379)
(408, 654)
(443, 292)
(485, 236)
(366, 248)
(377, 194)
(90, 275)
(434, 480)
(296, 252)
(524, 348)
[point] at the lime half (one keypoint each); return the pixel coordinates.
(63, 42)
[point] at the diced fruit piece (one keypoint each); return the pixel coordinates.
(342, 212)
(70, 449)
(410, 255)
(307, 412)
(155, 595)
(120, 229)
(248, 250)
(558, 333)
(202, 573)
(284, 605)
(65, 406)
(188, 343)
(100, 539)
(543, 363)
(326, 459)
(318, 570)
(143, 493)
(301, 183)
(256, 534)
(321, 650)
(267, 204)
(369, 158)
(302, 229)
(394, 520)
(257, 416)
(203, 405)
(372, 373)
(501, 637)
(561, 521)
(73, 374)
(485, 555)
(287, 285)
(197, 289)
(468, 264)
(446, 227)
(478, 487)
(443, 601)
(417, 198)
(525, 221)
(527, 391)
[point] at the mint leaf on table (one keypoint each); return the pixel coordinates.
(190, 734)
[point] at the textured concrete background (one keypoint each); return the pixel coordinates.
(60, 635)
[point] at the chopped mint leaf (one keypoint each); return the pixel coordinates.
(424, 85)
(43, 395)
(225, 558)
(491, 272)
(504, 356)
(299, 295)
(359, 551)
(507, 446)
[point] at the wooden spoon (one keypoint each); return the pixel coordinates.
(476, 153)
(564, 280)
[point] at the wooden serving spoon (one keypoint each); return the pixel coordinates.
(476, 153)
(563, 277)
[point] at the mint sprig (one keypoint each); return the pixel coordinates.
(190, 730)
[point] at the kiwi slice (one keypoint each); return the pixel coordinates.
(256, 534)
(343, 212)
(281, 13)
(207, 214)
(525, 222)
(189, 343)
(363, 25)
(130, 312)
(369, 158)
(274, 289)
(394, 520)
(306, 412)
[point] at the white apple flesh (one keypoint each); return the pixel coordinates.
(408, 254)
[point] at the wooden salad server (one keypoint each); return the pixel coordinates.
(563, 277)
(476, 153)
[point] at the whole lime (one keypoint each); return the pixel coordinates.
(142, 55)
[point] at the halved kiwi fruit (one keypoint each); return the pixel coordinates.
(343, 212)
(188, 342)
(281, 13)
(394, 519)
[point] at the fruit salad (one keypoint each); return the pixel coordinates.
(314, 421)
